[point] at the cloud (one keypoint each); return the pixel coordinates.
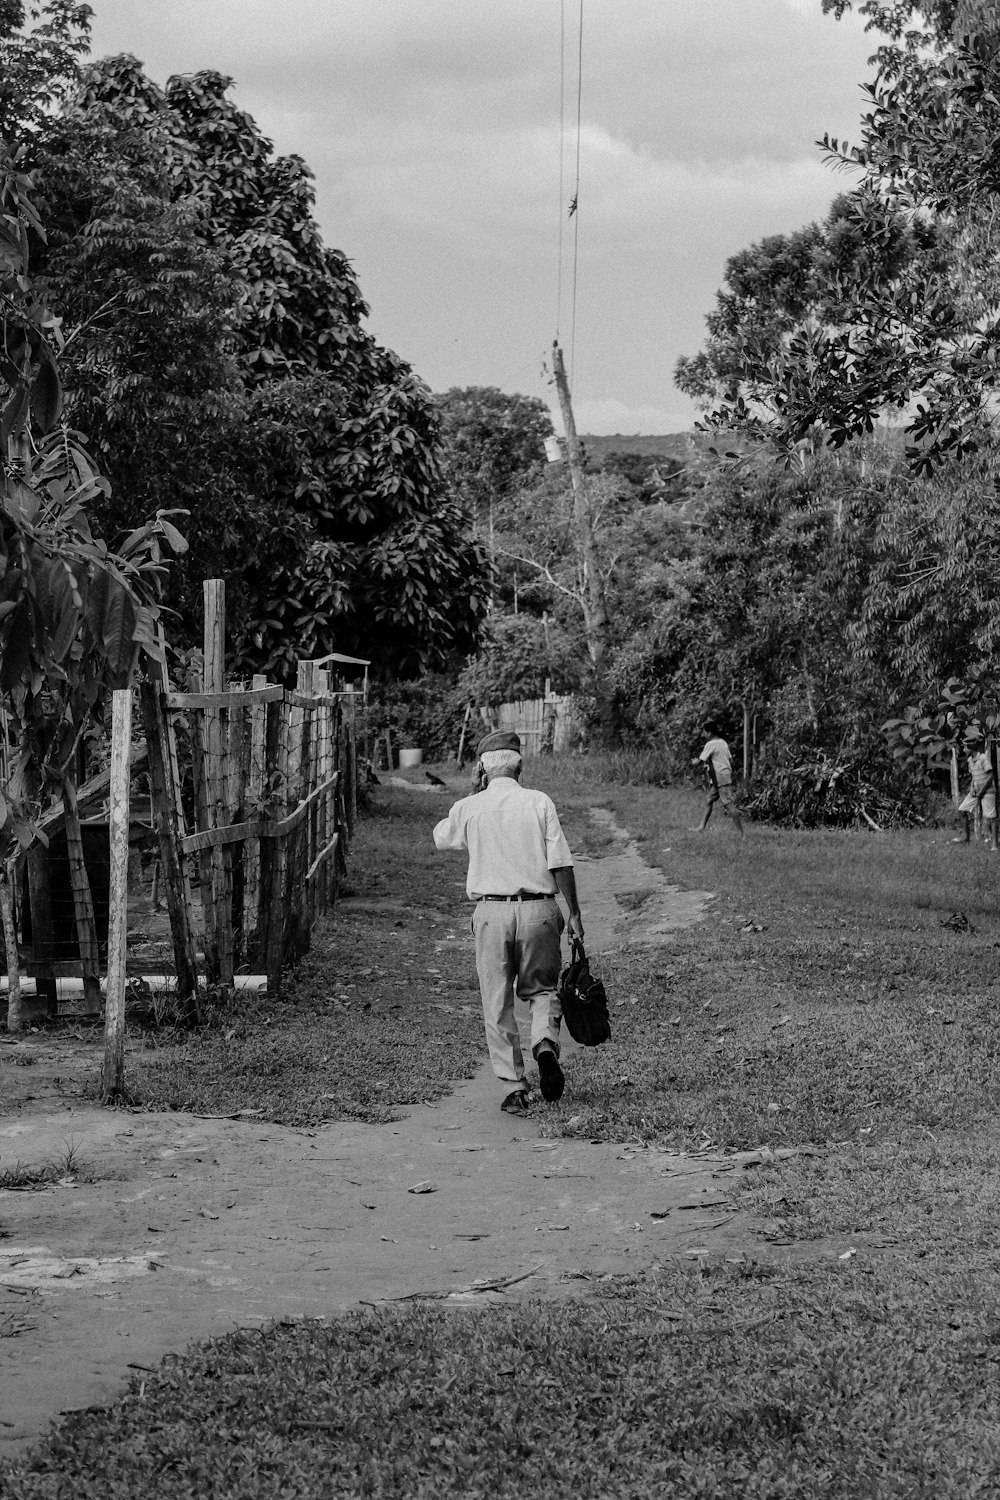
(433, 131)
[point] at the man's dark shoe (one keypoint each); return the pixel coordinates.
(550, 1075)
(516, 1103)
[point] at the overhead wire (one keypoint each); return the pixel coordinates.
(562, 159)
(575, 206)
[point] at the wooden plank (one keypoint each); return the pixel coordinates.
(113, 1075)
(230, 833)
(239, 698)
(54, 817)
(311, 700)
(243, 697)
(173, 863)
(322, 856)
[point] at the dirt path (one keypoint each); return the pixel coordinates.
(188, 1227)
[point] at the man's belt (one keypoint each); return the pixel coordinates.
(522, 896)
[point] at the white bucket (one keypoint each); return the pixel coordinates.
(410, 758)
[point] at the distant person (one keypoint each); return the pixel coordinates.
(518, 861)
(717, 759)
(981, 796)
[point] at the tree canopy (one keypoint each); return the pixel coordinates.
(217, 355)
(909, 319)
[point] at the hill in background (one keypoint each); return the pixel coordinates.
(667, 445)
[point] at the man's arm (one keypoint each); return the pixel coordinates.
(450, 832)
(566, 883)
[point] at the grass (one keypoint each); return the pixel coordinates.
(823, 1007)
(729, 1383)
(19, 1178)
(381, 1014)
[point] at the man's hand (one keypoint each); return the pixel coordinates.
(478, 777)
(566, 885)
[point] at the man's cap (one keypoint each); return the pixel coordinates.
(500, 739)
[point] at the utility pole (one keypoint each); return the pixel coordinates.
(597, 624)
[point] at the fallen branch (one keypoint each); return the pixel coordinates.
(499, 1285)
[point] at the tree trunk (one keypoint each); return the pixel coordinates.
(596, 621)
(83, 904)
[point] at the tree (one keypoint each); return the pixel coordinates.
(40, 63)
(74, 617)
(789, 283)
(494, 443)
(926, 344)
(307, 455)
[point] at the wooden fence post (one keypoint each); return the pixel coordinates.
(113, 1076)
(167, 812)
(304, 844)
(83, 902)
(324, 759)
(215, 776)
(256, 794)
(41, 966)
(277, 861)
(14, 1017)
(210, 941)
(351, 767)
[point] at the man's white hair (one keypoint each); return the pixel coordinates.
(496, 762)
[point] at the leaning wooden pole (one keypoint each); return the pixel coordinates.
(83, 902)
(220, 857)
(15, 1019)
(113, 1077)
(596, 620)
(168, 815)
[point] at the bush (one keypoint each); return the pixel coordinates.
(830, 791)
(427, 713)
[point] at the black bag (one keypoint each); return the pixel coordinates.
(583, 1000)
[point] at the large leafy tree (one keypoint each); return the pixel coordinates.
(793, 288)
(74, 616)
(218, 353)
(922, 335)
(41, 48)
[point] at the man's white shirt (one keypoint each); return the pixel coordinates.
(513, 838)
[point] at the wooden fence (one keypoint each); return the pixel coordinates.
(264, 823)
(253, 794)
(545, 725)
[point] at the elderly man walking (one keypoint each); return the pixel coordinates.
(518, 861)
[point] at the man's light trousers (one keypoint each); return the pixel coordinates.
(517, 948)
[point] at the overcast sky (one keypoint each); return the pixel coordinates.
(433, 129)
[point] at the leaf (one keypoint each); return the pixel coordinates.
(21, 501)
(16, 652)
(46, 396)
(423, 1187)
(14, 414)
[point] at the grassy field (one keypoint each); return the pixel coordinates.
(840, 1001)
